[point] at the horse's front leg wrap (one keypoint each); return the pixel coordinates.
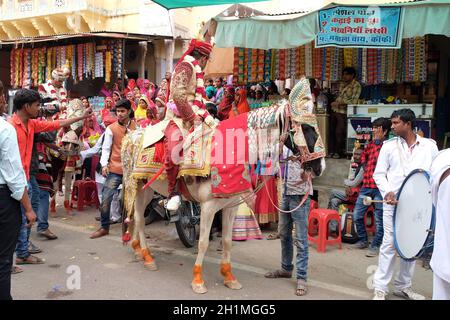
(197, 275)
(225, 270)
(146, 256)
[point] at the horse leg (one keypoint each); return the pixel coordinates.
(56, 166)
(208, 211)
(143, 197)
(227, 232)
(68, 183)
(135, 243)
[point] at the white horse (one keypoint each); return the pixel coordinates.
(200, 190)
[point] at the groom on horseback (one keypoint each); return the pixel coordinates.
(185, 108)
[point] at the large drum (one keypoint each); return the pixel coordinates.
(414, 216)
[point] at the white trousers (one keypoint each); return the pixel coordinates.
(441, 288)
(386, 259)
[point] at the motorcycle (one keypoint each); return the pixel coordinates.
(186, 219)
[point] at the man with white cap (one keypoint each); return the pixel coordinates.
(440, 191)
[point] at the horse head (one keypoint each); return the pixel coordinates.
(305, 148)
(304, 137)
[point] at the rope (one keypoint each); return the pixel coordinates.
(251, 194)
(301, 202)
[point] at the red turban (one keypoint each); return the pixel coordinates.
(203, 47)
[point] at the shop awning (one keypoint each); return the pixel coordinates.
(104, 34)
(175, 4)
(283, 32)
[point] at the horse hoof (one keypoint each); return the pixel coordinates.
(138, 256)
(199, 288)
(151, 266)
(234, 285)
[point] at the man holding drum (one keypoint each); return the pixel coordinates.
(398, 157)
(440, 191)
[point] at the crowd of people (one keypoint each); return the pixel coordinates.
(43, 146)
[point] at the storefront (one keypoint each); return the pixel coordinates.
(400, 56)
(96, 62)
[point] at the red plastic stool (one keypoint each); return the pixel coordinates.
(84, 193)
(370, 215)
(318, 221)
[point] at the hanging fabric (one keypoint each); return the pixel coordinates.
(282, 65)
(308, 60)
(242, 78)
(267, 65)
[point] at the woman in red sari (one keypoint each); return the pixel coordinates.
(226, 103)
(240, 104)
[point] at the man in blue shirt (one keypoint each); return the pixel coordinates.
(13, 191)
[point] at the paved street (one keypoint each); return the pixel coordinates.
(108, 269)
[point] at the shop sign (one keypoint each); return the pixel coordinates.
(360, 27)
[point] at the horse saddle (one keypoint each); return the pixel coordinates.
(155, 133)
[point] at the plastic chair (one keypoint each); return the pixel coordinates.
(318, 222)
(84, 193)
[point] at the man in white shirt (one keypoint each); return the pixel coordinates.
(398, 157)
(440, 191)
(13, 191)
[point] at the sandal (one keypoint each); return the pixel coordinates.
(301, 288)
(273, 236)
(16, 270)
(30, 260)
(278, 274)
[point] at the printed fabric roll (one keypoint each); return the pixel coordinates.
(308, 61)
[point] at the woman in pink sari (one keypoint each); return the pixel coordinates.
(91, 127)
(148, 89)
(116, 96)
(90, 134)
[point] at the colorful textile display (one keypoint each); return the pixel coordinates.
(373, 66)
(236, 80)
(31, 67)
(267, 64)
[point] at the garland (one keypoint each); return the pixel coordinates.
(108, 66)
(12, 63)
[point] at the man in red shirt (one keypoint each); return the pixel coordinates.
(369, 188)
(27, 105)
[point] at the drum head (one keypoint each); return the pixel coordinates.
(413, 215)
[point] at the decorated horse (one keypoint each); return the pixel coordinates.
(216, 171)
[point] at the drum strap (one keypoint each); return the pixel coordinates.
(400, 153)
